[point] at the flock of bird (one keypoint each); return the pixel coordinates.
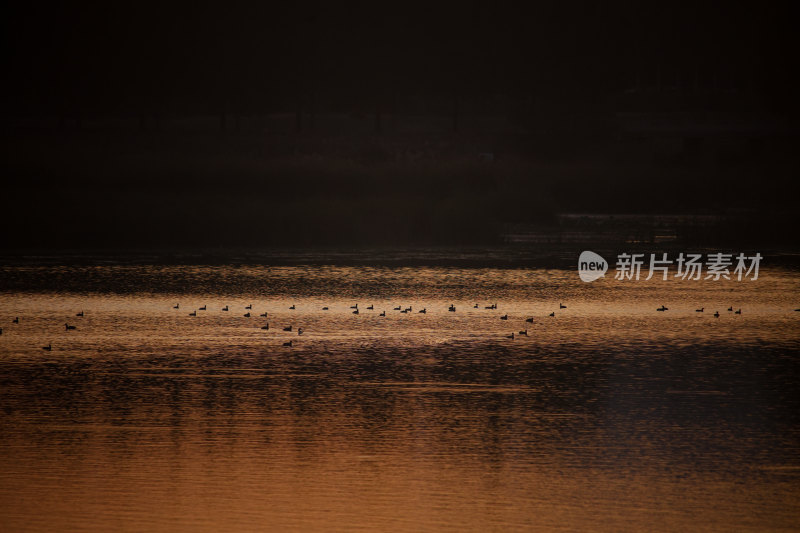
(355, 310)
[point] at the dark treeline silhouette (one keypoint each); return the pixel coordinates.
(151, 60)
(388, 123)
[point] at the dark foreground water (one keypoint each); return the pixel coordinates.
(608, 416)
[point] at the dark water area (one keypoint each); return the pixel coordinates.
(608, 415)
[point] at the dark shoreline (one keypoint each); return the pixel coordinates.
(503, 256)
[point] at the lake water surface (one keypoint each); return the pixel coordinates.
(609, 415)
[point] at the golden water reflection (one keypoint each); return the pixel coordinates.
(608, 416)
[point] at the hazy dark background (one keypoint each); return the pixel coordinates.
(138, 124)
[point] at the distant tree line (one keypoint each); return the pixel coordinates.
(150, 61)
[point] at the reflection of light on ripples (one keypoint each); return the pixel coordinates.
(610, 415)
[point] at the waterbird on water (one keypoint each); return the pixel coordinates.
(716, 314)
(16, 320)
(265, 327)
(299, 331)
(371, 307)
(354, 306)
(475, 306)
(699, 310)
(663, 308)
(553, 313)
(504, 317)
(176, 306)
(382, 314)
(1, 331)
(452, 308)
(529, 320)
(562, 306)
(288, 343)
(292, 307)
(79, 314)
(48, 347)
(398, 308)
(511, 336)
(423, 310)
(355, 312)
(263, 314)
(739, 312)
(203, 308)
(247, 315)
(225, 308)
(730, 308)
(193, 313)
(287, 328)
(324, 308)
(248, 306)
(525, 332)
(68, 327)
